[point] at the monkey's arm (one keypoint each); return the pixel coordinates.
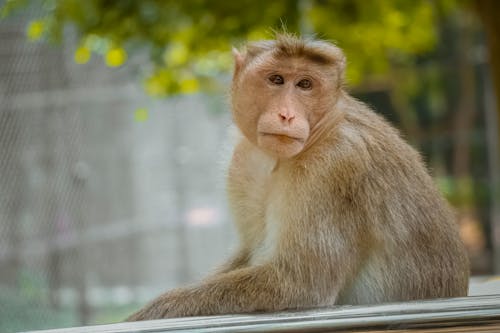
(302, 277)
(243, 290)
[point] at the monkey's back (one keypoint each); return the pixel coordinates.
(417, 252)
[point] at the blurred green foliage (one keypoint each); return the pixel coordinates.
(189, 41)
(461, 192)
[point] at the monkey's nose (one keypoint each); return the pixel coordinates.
(285, 116)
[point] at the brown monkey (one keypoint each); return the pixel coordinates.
(331, 205)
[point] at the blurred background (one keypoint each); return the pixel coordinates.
(115, 134)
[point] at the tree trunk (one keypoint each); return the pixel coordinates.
(488, 12)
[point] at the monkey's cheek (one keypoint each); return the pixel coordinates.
(280, 145)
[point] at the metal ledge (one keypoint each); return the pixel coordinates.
(467, 314)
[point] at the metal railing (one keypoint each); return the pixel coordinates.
(467, 314)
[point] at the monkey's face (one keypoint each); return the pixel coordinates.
(278, 102)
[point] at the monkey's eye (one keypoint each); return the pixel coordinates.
(276, 79)
(305, 84)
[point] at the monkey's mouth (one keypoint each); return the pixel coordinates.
(281, 137)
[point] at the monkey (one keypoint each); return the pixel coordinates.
(330, 204)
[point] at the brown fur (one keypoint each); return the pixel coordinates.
(342, 213)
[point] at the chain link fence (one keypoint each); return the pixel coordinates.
(107, 197)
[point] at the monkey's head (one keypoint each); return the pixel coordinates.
(282, 89)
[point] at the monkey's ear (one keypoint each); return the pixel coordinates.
(239, 59)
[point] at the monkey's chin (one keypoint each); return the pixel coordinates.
(281, 146)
